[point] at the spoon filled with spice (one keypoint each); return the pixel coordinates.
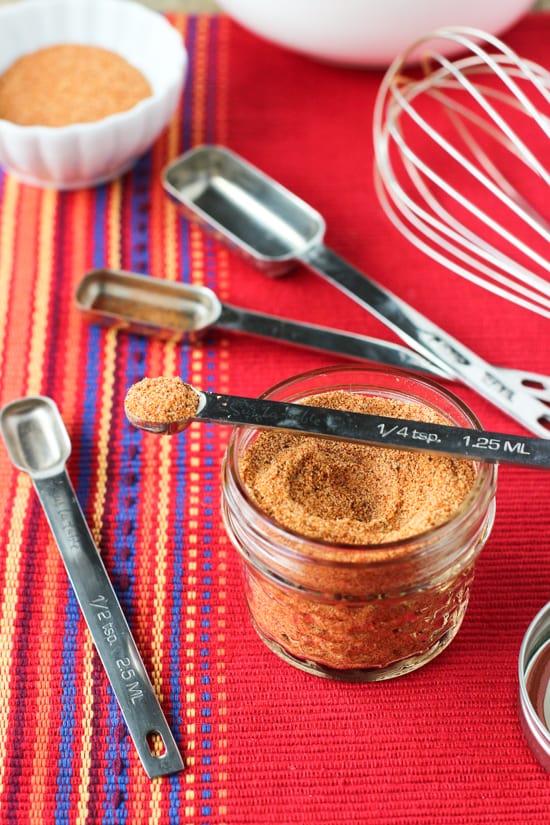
(168, 405)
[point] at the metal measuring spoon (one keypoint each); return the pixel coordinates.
(168, 309)
(38, 444)
(154, 405)
(274, 229)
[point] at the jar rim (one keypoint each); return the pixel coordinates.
(483, 487)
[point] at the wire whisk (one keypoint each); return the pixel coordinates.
(461, 161)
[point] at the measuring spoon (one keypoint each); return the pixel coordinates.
(274, 229)
(362, 428)
(168, 309)
(38, 444)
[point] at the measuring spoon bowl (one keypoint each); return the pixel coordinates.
(251, 212)
(146, 305)
(35, 436)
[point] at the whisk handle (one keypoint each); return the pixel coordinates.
(430, 340)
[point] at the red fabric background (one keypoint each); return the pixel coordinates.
(264, 743)
(442, 745)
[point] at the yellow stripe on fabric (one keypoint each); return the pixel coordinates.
(86, 695)
(42, 292)
(222, 79)
(114, 234)
(161, 585)
(103, 429)
(171, 219)
(47, 680)
(7, 242)
(8, 614)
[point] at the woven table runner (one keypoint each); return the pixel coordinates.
(262, 742)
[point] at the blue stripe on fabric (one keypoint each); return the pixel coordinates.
(187, 100)
(72, 611)
(68, 713)
(119, 743)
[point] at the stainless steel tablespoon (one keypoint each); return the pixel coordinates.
(275, 229)
(38, 444)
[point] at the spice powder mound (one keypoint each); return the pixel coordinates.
(354, 494)
(69, 83)
(161, 400)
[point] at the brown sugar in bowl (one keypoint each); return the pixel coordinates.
(348, 574)
(81, 154)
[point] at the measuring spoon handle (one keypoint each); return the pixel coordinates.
(361, 428)
(429, 340)
(107, 624)
(324, 339)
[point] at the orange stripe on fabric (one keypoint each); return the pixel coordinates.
(14, 556)
(7, 242)
(47, 721)
(161, 583)
(76, 260)
(18, 227)
(144, 792)
(8, 614)
(193, 494)
(42, 291)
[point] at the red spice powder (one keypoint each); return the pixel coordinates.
(69, 83)
(161, 400)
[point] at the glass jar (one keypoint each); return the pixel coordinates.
(358, 612)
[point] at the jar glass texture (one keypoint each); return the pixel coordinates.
(358, 612)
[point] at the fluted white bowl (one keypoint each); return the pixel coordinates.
(86, 154)
(365, 32)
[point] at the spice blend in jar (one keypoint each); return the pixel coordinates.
(353, 494)
(358, 560)
(69, 83)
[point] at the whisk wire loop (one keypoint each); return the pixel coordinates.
(427, 212)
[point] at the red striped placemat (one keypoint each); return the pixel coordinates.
(262, 742)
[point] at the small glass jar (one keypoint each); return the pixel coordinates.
(358, 612)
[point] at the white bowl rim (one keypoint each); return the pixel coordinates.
(179, 65)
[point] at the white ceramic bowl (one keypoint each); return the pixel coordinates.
(366, 32)
(86, 154)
